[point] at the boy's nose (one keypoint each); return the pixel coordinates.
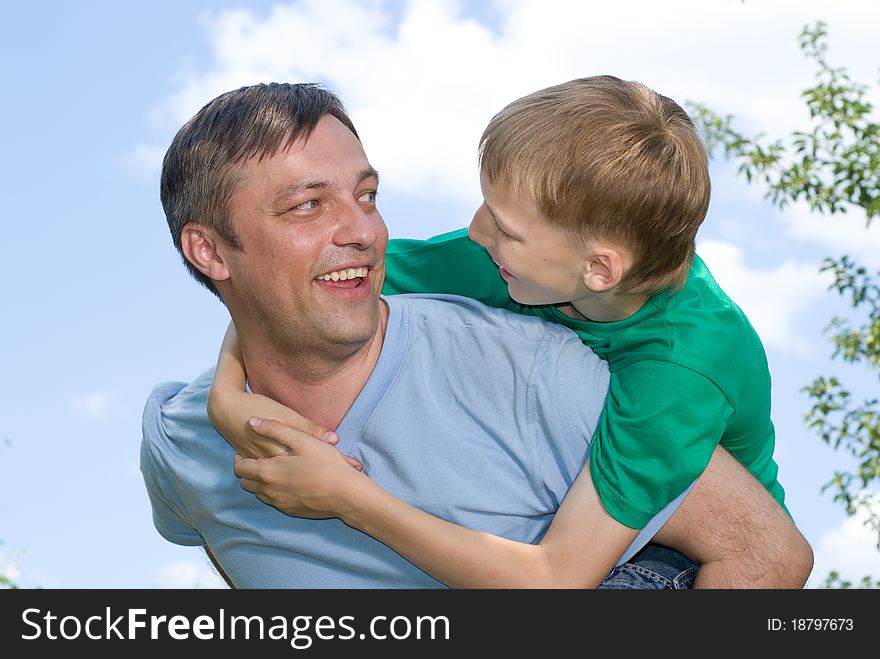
(477, 229)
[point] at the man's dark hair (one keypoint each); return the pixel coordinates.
(201, 169)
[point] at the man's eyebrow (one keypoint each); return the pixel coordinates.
(369, 172)
(299, 186)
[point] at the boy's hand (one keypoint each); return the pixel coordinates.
(224, 408)
(310, 479)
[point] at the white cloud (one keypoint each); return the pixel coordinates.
(188, 574)
(839, 234)
(742, 213)
(773, 299)
(850, 549)
(422, 84)
(95, 406)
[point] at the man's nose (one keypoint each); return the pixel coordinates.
(357, 227)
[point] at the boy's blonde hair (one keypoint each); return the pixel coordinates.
(608, 160)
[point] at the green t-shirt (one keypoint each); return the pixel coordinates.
(687, 370)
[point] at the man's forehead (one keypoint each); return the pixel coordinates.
(331, 157)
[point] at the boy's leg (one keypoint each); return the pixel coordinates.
(655, 567)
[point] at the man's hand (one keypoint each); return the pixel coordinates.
(310, 478)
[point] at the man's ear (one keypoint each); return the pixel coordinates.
(199, 246)
(603, 268)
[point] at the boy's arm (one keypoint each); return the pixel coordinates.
(230, 407)
(728, 522)
(312, 481)
(422, 266)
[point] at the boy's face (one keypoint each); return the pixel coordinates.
(536, 259)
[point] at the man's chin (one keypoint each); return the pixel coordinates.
(357, 320)
(354, 335)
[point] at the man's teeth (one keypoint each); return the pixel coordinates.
(342, 275)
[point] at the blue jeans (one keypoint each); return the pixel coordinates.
(655, 567)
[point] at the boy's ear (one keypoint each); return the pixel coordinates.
(199, 246)
(603, 268)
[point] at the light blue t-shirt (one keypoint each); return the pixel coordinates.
(476, 415)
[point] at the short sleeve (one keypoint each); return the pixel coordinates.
(450, 263)
(168, 516)
(656, 435)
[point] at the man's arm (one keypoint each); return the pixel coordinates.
(742, 538)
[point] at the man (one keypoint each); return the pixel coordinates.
(449, 405)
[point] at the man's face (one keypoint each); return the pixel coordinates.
(536, 259)
(313, 259)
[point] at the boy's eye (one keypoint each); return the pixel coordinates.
(501, 232)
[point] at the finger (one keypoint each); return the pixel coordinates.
(290, 438)
(295, 420)
(319, 432)
(250, 485)
(326, 435)
(266, 447)
(265, 499)
(353, 462)
(245, 467)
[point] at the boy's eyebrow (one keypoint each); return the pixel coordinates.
(317, 184)
(495, 218)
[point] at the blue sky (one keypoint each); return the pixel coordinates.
(99, 308)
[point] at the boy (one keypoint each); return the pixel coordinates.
(594, 191)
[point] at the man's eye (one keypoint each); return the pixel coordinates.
(369, 197)
(308, 205)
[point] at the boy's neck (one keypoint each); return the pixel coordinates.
(604, 307)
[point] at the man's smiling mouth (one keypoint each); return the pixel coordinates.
(344, 274)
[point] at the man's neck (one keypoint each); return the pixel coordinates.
(319, 387)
